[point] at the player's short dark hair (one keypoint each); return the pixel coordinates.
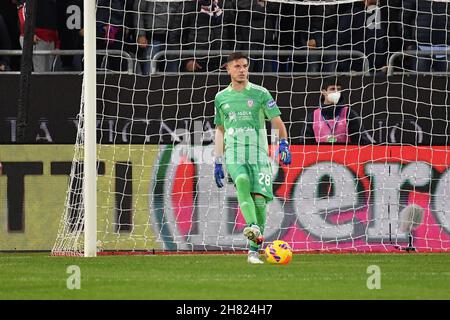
(331, 81)
(236, 56)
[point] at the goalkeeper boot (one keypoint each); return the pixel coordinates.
(252, 232)
(259, 240)
(253, 257)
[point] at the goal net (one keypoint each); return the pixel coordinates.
(384, 187)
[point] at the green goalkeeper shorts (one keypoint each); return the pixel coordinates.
(260, 176)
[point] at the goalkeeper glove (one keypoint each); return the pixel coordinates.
(218, 172)
(283, 150)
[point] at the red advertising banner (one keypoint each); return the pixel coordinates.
(331, 198)
(369, 187)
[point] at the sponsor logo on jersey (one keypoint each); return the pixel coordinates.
(250, 103)
(232, 116)
(271, 104)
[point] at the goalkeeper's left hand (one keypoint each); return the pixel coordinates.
(218, 172)
(283, 151)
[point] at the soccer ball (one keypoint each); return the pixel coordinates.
(278, 252)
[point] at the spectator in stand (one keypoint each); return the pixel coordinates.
(260, 34)
(323, 34)
(5, 44)
(294, 30)
(45, 32)
(70, 14)
(333, 122)
(426, 27)
(152, 23)
(391, 11)
(362, 29)
(203, 25)
(114, 18)
(8, 9)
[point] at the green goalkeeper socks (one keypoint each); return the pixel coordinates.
(245, 199)
(254, 211)
(260, 209)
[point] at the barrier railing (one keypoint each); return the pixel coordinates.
(266, 53)
(124, 54)
(415, 54)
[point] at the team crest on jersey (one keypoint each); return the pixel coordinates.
(250, 103)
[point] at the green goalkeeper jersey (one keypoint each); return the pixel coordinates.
(243, 115)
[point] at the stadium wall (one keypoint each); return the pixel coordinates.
(401, 109)
(34, 182)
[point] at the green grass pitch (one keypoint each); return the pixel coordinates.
(226, 276)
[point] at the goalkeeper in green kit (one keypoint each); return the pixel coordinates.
(241, 145)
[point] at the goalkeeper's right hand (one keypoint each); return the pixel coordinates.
(218, 172)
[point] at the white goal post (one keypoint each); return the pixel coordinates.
(90, 126)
